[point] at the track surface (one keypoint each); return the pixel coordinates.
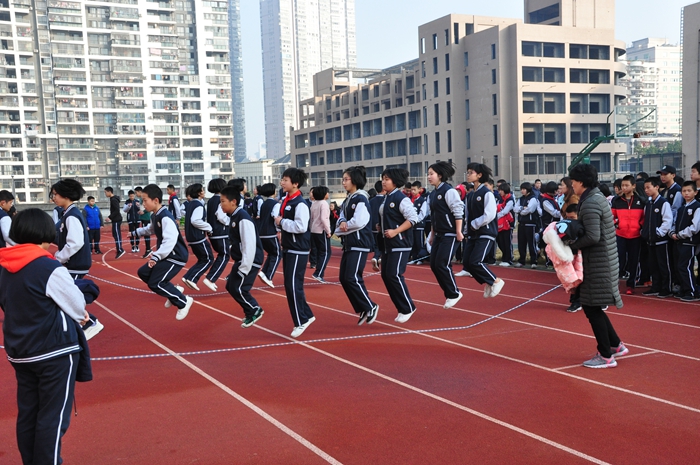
(510, 390)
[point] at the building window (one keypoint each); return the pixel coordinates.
(449, 112)
(435, 65)
(437, 142)
(601, 161)
(466, 82)
(456, 33)
(469, 138)
(531, 74)
(535, 102)
(493, 51)
(447, 86)
(547, 164)
(437, 114)
(495, 165)
(414, 145)
(495, 135)
(589, 52)
(469, 29)
(449, 141)
(415, 170)
(425, 144)
(422, 44)
(542, 49)
(414, 119)
(435, 89)
(466, 109)
(435, 42)
(425, 93)
(493, 76)
(544, 14)
(447, 37)
(422, 69)
(466, 59)
(425, 117)
(544, 133)
(494, 104)
(447, 61)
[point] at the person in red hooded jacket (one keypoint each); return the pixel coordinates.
(628, 214)
(505, 218)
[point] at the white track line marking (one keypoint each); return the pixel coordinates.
(476, 349)
(642, 354)
(282, 427)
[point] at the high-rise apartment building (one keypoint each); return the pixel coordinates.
(653, 78)
(236, 57)
(118, 93)
(524, 98)
(300, 39)
(691, 78)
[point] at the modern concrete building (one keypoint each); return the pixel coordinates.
(118, 93)
(256, 173)
(237, 99)
(300, 39)
(653, 78)
(524, 98)
(691, 86)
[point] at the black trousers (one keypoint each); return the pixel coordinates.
(271, 245)
(644, 271)
(378, 245)
(393, 267)
(44, 398)
(146, 238)
(94, 237)
(294, 266)
(504, 240)
(134, 241)
(312, 253)
(673, 259)
(418, 252)
(628, 253)
(352, 265)
(603, 330)
(526, 241)
(322, 244)
(441, 264)
(221, 247)
(684, 267)
(205, 257)
(660, 267)
(239, 286)
(158, 280)
(117, 235)
(475, 252)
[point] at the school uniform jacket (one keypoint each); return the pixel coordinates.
(246, 247)
(628, 216)
(39, 299)
(481, 213)
(266, 221)
(422, 207)
(658, 221)
(446, 207)
(296, 236)
(394, 211)
(196, 225)
(356, 215)
(132, 208)
(528, 210)
(174, 207)
(550, 209)
(72, 240)
(218, 224)
(374, 204)
(5, 225)
(171, 246)
(688, 223)
(674, 197)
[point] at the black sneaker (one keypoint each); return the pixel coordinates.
(120, 254)
(663, 295)
(573, 308)
(250, 320)
(650, 292)
(147, 254)
(98, 253)
(373, 314)
(689, 298)
(363, 318)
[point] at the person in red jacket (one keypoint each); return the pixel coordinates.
(504, 215)
(628, 213)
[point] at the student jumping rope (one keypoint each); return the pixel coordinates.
(269, 209)
(446, 212)
(132, 208)
(196, 231)
(144, 220)
(320, 227)
(482, 229)
(219, 222)
(397, 217)
(293, 222)
(166, 262)
(247, 255)
(355, 231)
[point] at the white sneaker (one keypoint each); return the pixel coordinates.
(168, 303)
(299, 330)
(449, 303)
(504, 264)
(190, 284)
(92, 330)
(464, 273)
(533, 266)
(375, 264)
(404, 317)
(265, 279)
(182, 312)
(210, 284)
(497, 286)
(487, 292)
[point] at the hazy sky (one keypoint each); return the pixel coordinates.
(387, 32)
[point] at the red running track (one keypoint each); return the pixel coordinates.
(510, 390)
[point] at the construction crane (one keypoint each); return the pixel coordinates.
(584, 156)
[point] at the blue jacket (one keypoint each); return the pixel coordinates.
(93, 217)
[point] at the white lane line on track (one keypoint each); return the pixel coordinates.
(281, 426)
(476, 349)
(625, 357)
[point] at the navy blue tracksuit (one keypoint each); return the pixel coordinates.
(244, 240)
(197, 239)
(219, 239)
(444, 222)
(268, 237)
(481, 238)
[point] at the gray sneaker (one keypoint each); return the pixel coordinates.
(600, 362)
(620, 350)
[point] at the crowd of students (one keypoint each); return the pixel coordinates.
(656, 225)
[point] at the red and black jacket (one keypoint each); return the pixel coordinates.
(628, 215)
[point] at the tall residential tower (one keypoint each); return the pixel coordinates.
(236, 57)
(299, 39)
